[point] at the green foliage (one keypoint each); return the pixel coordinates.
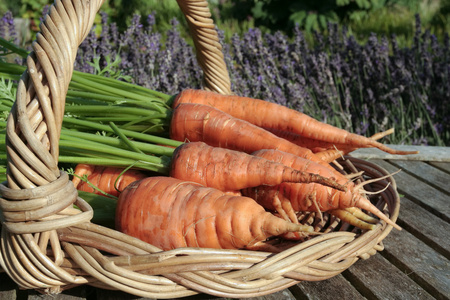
(32, 9)
(122, 11)
(281, 14)
(111, 69)
(11, 5)
(7, 92)
(362, 17)
(440, 20)
(308, 14)
(118, 11)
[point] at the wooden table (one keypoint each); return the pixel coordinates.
(414, 264)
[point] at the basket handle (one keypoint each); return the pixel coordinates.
(208, 48)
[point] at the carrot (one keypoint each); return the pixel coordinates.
(314, 145)
(331, 155)
(289, 198)
(326, 151)
(203, 123)
(270, 115)
(171, 213)
(319, 146)
(230, 170)
(357, 219)
(336, 151)
(108, 180)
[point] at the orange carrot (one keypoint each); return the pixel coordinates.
(326, 151)
(330, 155)
(270, 115)
(334, 152)
(288, 198)
(312, 144)
(318, 145)
(107, 179)
(170, 213)
(230, 170)
(203, 123)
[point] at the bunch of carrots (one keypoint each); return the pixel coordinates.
(236, 180)
(201, 169)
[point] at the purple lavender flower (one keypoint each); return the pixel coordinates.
(358, 86)
(7, 28)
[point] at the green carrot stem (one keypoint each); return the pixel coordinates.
(9, 76)
(116, 91)
(83, 97)
(89, 88)
(145, 128)
(75, 155)
(116, 118)
(133, 88)
(97, 158)
(94, 96)
(12, 69)
(123, 138)
(93, 160)
(131, 125)
(132, 134)
(114, 142)
(10, 46)
(113, 162)
(110, 109)
(101, 148)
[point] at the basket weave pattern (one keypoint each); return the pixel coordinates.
(48, 245)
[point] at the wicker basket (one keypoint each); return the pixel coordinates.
(49, 246)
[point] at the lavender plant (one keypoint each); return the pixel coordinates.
(142, 56)
(362, 87)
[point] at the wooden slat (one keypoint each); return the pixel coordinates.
(77, 293)
(420, 192)
(377, 278)
(8, 288)
(420, 262)
(427, 173)
(115, 295)
(432, 230)
(444, 166)
(426, 153)
(285, 295)
(336, 287)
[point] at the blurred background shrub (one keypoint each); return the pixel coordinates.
(361, 17)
